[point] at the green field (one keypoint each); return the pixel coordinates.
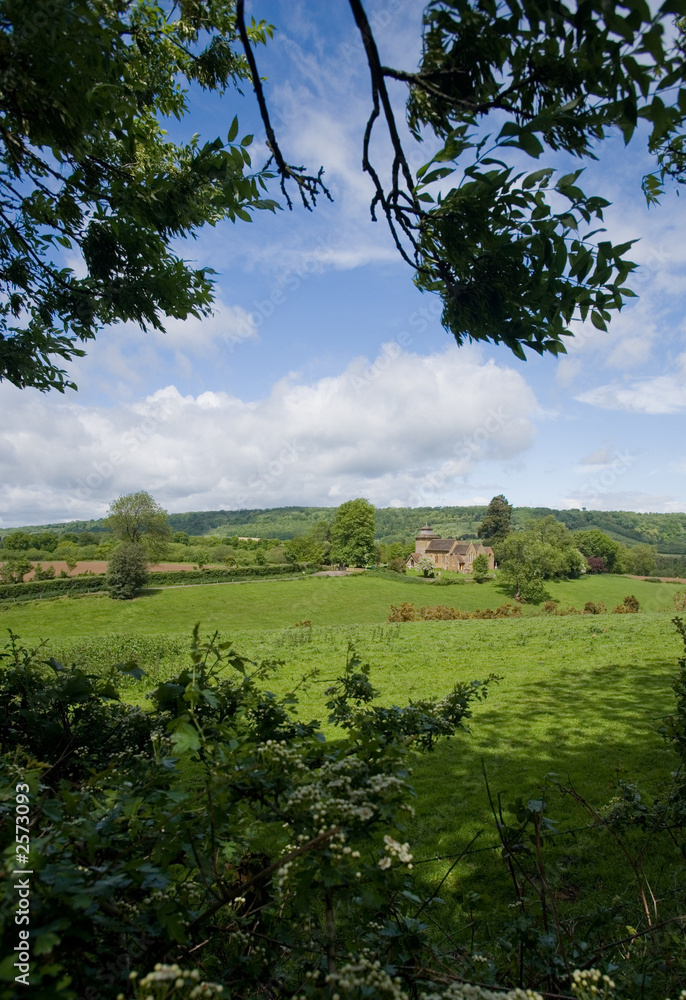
(273, 604)
(581, 696)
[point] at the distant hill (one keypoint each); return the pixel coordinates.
(667, 531)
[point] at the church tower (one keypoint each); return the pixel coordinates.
(422, 539)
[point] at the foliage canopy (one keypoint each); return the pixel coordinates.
(88, 173)
(86, 168)
(352, 533)
(137, 519)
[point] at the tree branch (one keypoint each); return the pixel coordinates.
(308, 185)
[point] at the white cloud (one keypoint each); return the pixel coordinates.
(661, 394)
(404, 424)
(600, 457)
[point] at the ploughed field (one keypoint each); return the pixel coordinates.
(581, 696)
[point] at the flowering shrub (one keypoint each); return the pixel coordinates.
(217, 825)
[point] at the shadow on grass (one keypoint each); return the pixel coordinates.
(587, 727)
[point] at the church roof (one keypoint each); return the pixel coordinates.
(440, 545)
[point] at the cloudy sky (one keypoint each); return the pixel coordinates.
(324, 374)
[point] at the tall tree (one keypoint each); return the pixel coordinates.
(496, 523)
(595, 543)
(545, 550)
(137, 519)
(352, 533)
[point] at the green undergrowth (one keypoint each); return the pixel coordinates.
(575, 714)
(579, 696)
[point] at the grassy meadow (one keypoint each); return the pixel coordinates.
(580, 696)
(273, 604)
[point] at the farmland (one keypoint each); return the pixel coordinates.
(274, 604)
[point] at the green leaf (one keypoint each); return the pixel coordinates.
(598, 321)
(186, 737)
(131, 668)
(233, 131)
(45, 943)
(532, 179)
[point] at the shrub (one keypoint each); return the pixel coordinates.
(425, 566)
(679, 601)
(550, 607)
(227, 833)
(396, 565)
(44, 574)
(629, 606)
(405, 613)
(596, 564)
(591, 608)
(14, 570)
(127, 571)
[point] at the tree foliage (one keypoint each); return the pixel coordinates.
(640, 560)
(127, 571)
(352, 533)
(544, 551)
(595, 543)
(480, 568)
(513, 254)
(496, 523)
(313, 547)
(87, 170)
(137, 519)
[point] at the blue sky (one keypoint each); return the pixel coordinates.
(324, 374)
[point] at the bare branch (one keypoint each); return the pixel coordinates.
(309, 185)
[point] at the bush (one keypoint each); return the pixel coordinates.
(127, 571)
(629, 606)
(234, 830)
(14, 570)
(405, 613)
(591, 608)
(550, 607)
(44, 574)
(396, 565)
(439, 612)
(596, 564)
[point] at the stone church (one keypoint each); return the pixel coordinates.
(448, 553)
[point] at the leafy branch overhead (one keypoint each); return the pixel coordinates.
(513, 254)
(93, 192)
(87, 168)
